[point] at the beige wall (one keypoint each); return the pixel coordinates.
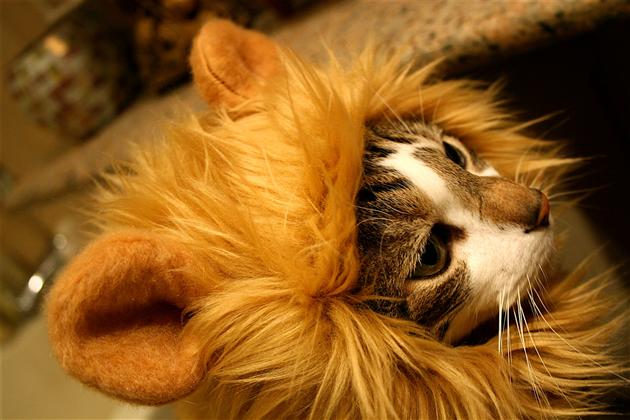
(25, 147)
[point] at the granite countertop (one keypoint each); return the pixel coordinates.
(467, 32)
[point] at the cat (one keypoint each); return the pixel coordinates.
(441, 230)
(327, 244)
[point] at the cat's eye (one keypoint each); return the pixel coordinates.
(454, 154)
(432, 260)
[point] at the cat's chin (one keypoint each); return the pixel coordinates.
(478, 320)
(484, 326)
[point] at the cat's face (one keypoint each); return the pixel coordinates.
(441, 232)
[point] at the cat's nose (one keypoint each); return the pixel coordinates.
(540, 219)
(543, 211)
(506, 202)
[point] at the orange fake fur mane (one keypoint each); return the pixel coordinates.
(258, 203)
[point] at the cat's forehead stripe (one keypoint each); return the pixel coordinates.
(369, 191)
(418, 173)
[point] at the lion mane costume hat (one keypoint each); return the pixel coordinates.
(226, 272)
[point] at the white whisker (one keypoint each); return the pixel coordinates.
(509, 340)
(534, 382)
(500, 344)
(542, 361)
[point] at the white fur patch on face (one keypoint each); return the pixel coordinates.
(503, 264)
(502, 260)
(420, 175)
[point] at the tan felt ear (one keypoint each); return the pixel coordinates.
(230, 64)
(115, 319)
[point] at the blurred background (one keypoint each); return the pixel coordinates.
(83, 79)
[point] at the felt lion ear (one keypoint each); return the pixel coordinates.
(230, 63)
(116, 315)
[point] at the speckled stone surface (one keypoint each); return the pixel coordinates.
(466, 32)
